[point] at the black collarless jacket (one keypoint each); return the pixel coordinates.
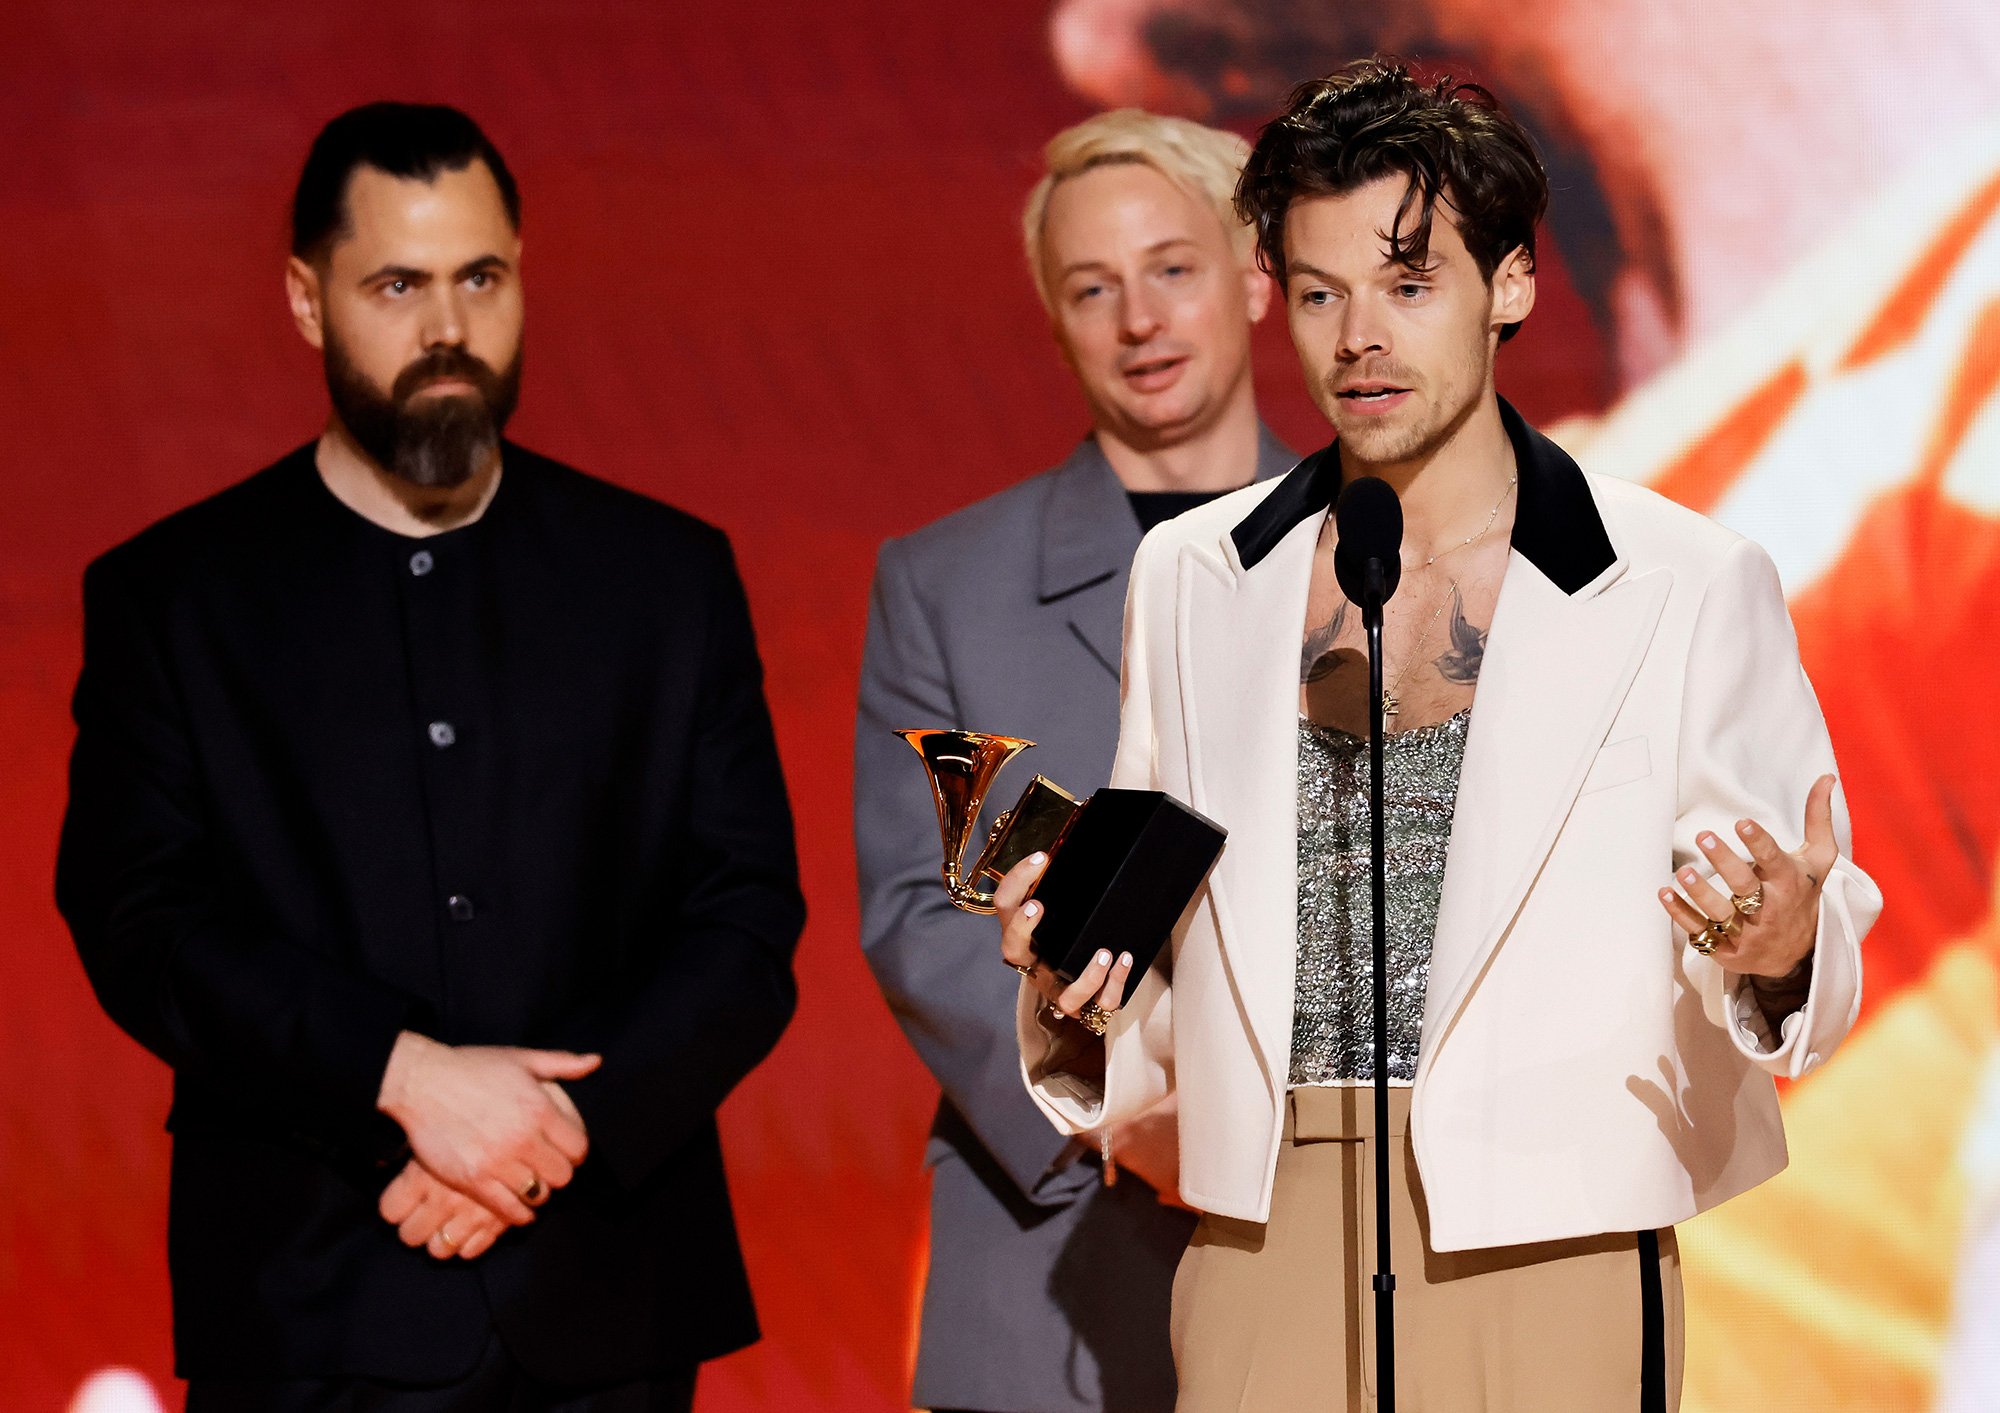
(512, 784)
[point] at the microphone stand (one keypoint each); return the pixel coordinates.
(1368, 562)
(1376, 594)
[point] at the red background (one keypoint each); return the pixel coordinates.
(774, 277)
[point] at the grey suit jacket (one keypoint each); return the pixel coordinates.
(1046, 1290)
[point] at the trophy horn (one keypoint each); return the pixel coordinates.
(961, 766)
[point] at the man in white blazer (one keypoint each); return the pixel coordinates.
(1594, 1064)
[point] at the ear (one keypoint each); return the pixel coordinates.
(1513, 288)
(303, 293)
(1257, 290)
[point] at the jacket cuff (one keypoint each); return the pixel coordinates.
(1804, 1040)
(1751, 1031)
(1074, 1105)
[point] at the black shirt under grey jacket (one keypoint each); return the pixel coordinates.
(511, 784)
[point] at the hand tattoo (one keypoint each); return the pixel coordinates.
(1460, 662)
(1317, 659)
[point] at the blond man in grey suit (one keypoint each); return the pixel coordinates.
(1048, 1289)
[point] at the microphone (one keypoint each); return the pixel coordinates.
(1368, 559)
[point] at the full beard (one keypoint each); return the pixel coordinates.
(432, 441)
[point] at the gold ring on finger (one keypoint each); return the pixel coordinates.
(446, 1237)
(1094, 1017)
(1749, 903)
(1025, 971)
(533, 1191)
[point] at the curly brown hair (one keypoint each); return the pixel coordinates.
(1371, 120)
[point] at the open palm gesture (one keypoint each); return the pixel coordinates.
(1772, 922)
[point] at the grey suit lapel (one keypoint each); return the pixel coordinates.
(1089, 535)
(1274, 458)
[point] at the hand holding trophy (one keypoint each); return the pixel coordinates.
(1119, 870)
(1095, 994)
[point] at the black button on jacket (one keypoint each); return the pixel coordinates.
(271, 867)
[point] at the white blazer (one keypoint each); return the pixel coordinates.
(1582, 1069)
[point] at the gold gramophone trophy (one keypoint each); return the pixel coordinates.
(1123, 864)
(961, 765)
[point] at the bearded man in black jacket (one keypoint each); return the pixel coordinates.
(425, 817)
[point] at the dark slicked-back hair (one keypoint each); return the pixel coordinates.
(1373, 120)
(410, 140)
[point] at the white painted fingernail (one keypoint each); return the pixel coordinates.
(1031, 909)
(1708, 841)
(1038, 858)
(1124, 959)
(1746, 829)
(1104, 959)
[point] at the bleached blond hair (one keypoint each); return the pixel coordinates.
(1204, 162)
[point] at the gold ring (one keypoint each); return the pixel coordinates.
(533, 1191)
(1094, 1018)
(446, 1237)
(1025, 971)
(1709, 938)
(1748, 903)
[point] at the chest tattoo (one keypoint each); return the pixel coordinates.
(1318, 659)
(1460, 663)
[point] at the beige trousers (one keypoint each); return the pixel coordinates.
(1280, 1316)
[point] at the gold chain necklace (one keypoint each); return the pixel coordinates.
(1391, 704)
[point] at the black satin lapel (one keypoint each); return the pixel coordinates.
(1307, 490)
(1556, 524)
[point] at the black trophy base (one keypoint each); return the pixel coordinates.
(1121, 879)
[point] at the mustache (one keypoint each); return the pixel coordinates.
(1341, 379)
(445, 363)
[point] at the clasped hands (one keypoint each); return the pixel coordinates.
(492, 1133)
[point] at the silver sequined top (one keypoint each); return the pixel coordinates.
(1333, 1011)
